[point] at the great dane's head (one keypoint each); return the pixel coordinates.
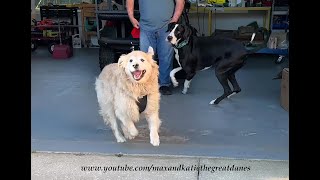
(179, 32)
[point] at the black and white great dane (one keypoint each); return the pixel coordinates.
(195, 53)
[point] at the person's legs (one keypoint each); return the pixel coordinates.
(147, 39)
(165, 55)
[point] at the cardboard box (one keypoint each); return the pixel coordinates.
(278, 40)
(284, 99)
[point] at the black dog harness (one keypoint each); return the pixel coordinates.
(142, 103)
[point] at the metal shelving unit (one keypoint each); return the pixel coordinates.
(118, 12)
(276, 11)
(115, 37)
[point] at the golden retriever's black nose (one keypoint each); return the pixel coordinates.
(169, 38)
(135, 66)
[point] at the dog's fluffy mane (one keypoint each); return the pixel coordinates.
(129, 87)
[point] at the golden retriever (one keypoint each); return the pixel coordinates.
(119, 88)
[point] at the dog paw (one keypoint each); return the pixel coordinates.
(126, 133)
(154, 139)
(213, 101)
(184, 91)
(175, 83)
(231, 94)
(128, 136)
(121, 139)
(133, 132)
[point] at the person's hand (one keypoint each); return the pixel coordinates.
(135, 22)
(174, 20)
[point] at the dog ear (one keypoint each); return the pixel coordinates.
(150, 55)
(187, 32)
(170, 26)
(150, 51)
(123, 60)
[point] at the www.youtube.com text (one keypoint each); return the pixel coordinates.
(152, 167)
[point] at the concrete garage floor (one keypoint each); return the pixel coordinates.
(250, 125)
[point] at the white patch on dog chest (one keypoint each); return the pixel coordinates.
(177, 56)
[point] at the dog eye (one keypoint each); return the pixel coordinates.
(130, 60)
(142, 60)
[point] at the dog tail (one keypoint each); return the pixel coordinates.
(253, 48)
(99, 88)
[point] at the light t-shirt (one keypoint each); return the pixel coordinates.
(154, 14)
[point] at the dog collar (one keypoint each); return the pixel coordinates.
(183, 43)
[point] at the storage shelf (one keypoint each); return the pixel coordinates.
(280, 12)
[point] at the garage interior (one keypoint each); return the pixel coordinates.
(251, 124)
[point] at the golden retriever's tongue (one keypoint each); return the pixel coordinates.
(137, 74)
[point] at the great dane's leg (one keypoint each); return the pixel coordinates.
(221, 72)
(172, 76)
(187, 82)
(236, 87)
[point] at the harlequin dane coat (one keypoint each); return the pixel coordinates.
(195, 53)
